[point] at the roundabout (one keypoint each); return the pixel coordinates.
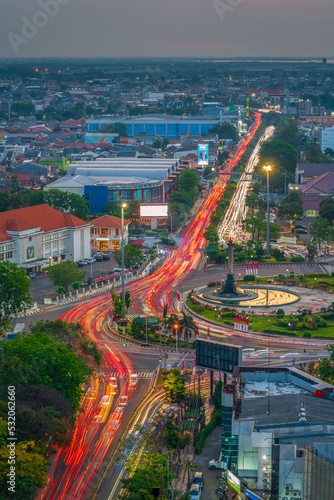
(250, 296)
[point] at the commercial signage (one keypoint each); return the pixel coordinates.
(203, 154)
(233, 481)
(217, 356)
(158, 210)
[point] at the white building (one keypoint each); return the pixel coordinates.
(35, 237)
(326, 138)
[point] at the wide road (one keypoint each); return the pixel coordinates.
(106, 407)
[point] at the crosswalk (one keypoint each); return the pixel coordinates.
(125, 375)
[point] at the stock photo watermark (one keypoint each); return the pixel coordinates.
(222, 7)
(11, 438)
(30, 27)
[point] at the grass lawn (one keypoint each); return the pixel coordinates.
(261, 323)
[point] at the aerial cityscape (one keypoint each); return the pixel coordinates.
(167, 250)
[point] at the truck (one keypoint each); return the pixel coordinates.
(217, 464)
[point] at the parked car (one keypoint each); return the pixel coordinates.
(195, 492)
(300, 226)
(32, 275)
(106, 256)
(99, 258)
(82, 263)
(301, 231)
(198, 479)
(91, 260)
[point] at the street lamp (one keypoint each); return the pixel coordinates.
(123, 292)
(176, 326)
(267, 168)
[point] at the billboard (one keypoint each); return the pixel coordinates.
(217, 356)
(203, 154)
(158, 210)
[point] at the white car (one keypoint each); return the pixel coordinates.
(91, 260)
(195, 492)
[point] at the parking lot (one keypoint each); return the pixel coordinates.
(41, 287)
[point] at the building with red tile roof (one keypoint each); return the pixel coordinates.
(106, 233)
(34, 237)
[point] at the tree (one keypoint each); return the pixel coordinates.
(65, 274)
(283, 158)
(133, 256)
(311, 251)
(320, 230)
(175, 388)
(225, 131)
(23, 108)
(312, 154)
(291, 206)
(259, 250)
(329, 152)
(30, 471)
(288, 132)
(67, 202)
(254, 226)
(14, 292)
(326, 209)
(38, 359)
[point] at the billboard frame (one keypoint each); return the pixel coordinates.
(153, 205)
(217, 356)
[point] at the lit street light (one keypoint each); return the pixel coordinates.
(267, 168)
(123, 292)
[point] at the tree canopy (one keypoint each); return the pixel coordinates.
(133, 256)
(326, 209)
(65, 274)
(283, 158)
(38, 359)
(14, 292)
(67, 202)
(225, 131)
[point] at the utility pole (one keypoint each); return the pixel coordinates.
(123, 288)
(188, 324)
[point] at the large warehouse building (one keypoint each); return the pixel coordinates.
(166, 126)
(110, 180)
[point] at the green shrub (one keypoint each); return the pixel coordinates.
(197, 308)
(307, 335)
(280, 313)
(216, 418)
(297, 258)
(228, 322)
(328, 315)
(249, 277)
(301, 277)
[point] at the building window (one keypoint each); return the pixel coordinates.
(117, 232)
(104, 232)
(115, 245)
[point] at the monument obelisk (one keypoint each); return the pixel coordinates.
(229, 288)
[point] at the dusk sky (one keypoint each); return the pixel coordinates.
(168, 28)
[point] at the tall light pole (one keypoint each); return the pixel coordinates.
(267, 168)
(123, 291)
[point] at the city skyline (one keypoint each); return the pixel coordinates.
(220, 28)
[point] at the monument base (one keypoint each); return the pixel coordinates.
(229, 288)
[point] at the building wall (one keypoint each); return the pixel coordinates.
(318, 479)
(326, 138)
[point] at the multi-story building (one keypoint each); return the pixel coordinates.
(35, 237)
(271, 419)
(326, 138)
(112, 179)
(106, 233)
